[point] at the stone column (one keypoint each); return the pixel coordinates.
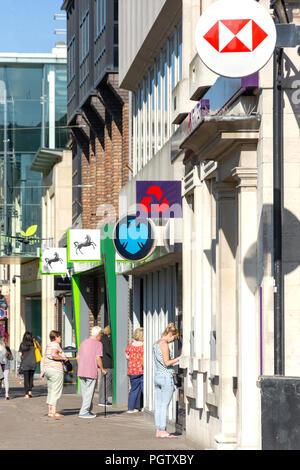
(226, 312)
(248, 321)
(187, 278)
(197, 278)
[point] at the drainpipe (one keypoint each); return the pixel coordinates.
(281, 16)
(279, 356)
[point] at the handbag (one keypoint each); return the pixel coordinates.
(38, 356)
(20, 370)
(177, 380)
(67, 366)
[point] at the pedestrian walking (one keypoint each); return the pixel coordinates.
(89, 358)
(163, 378)
(106, 381)
(6, 357)
(135, 355)
(52, 368)
(2, 358)
(28, 362)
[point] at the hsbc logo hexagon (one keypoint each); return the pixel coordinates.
(242, 35)
(235, 38)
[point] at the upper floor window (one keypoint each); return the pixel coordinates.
(152, 126)
(70, 9)
(71, 59)
(84, 35)
(100, 17)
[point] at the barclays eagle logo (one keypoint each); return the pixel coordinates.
(133, 236)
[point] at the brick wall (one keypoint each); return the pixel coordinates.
(104, 157)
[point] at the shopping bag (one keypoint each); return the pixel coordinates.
(38, 356)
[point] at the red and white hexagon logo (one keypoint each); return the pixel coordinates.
(235, 38)
(242, 35)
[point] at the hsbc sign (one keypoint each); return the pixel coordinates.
(235, 38)
(228, 36)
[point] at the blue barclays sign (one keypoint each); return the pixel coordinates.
(134, 238)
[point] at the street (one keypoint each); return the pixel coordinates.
(27, 426)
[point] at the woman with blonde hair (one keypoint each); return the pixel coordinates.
(163, 378)
(135, 355)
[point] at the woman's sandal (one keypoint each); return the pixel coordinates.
(55, 415)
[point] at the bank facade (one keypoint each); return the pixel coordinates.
(216, 136)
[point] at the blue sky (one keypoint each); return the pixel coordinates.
(28, 25)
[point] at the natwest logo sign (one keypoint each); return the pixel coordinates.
(158, 199)
(235, 38)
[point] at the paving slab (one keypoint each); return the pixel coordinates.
(28, 427)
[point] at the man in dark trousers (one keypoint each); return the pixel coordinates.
(107, 360)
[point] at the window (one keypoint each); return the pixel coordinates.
(84, 36)
(152, 101)
(100, 17)
(71, 59)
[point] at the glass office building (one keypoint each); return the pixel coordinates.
(33, 115)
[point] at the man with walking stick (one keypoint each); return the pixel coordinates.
(89, 359)
(106, 382)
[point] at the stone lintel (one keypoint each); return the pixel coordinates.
(245, 177)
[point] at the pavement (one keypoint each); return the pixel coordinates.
(26, 425)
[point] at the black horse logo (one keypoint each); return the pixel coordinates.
(56, 259)
(88, 242)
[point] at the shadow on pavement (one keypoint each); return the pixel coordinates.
(18, 392)
(111, 412)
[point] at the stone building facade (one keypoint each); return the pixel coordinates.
(224, 157)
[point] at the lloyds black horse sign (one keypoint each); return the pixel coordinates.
(84, 245)
(53, 261)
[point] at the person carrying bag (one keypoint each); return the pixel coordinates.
(37, 350)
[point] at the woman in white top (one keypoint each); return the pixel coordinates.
(52, 369)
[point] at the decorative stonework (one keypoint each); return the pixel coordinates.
(245, 177)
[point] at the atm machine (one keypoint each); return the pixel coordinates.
(179, 379)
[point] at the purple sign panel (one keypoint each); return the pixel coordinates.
(157, 199)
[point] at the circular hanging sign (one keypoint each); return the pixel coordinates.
(235, 38)
(134, 238)
(3, 314)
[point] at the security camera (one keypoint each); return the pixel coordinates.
(14, 280)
